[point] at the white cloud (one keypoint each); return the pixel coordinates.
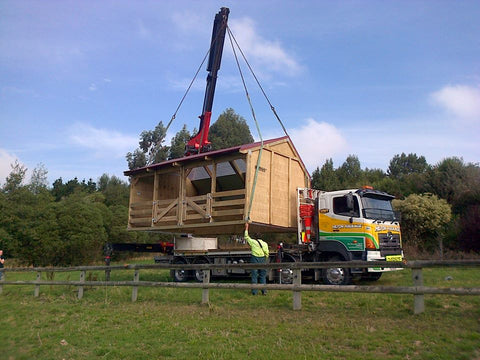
(105, 143)
(266, 52)
(188, 21)
(94, 86)
(317, 142)
(6, 159)
(461, 100)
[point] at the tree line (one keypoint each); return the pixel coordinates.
(65, 224)
(229, 130)
(439, 204)
(68, 222)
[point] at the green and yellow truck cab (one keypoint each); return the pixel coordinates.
(345, 225)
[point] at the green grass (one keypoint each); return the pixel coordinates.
(168, 323)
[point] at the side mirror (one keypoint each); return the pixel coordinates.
(350, 203)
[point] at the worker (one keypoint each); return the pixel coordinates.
(2, 262)
(259, 255)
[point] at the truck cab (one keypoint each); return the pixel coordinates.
(354, 224)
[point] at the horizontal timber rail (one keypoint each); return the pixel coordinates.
(418, 290)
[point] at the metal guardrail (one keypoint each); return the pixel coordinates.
(418, 290)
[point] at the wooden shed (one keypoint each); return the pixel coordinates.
(211, 193)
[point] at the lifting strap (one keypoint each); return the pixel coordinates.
(258, 82)
(257, 167)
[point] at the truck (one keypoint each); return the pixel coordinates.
(335, 226)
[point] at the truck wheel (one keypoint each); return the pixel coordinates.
(198, 274)
(336, 275)
(179, 275)
(285, 276)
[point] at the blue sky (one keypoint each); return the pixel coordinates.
(80, 80)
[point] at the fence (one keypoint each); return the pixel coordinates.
(417, 290)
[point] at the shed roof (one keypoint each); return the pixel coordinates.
(214, 153)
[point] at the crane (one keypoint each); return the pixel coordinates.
(199, 142)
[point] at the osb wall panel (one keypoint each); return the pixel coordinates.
(168, 185)
(261, 202)
(189, 188)
(279, 176)
(142, 189)
(284, 149)
(280, 190)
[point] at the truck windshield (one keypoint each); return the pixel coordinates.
(378, 208)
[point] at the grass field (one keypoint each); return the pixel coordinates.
(169, 323)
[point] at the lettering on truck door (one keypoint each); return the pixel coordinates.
(344, 224)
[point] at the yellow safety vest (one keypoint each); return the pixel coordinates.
(259, 247)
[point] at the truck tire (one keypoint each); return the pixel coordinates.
(336, 275)
(179, 275)
(285, 276)
(198, 274)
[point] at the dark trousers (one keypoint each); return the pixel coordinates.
(258, 275)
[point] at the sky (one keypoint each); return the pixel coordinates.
(80, 80)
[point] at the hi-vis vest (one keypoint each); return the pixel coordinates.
(259, 247)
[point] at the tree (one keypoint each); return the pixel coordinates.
(391, 186)
(151, 148)
(82, 223)
(229, 130)
(452, 180)
(136, 160)
(350, 173)
(326, 179)
(38, 180)
(177, 147)
(373, 176)
(29, 219)
(15, 178)
(402, 165)
(61, 190)
(116, 191)
(469, 229)
(424, 220)
(459, 183)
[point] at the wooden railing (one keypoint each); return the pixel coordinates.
(211, 207)
(418, 290)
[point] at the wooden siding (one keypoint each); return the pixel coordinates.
(212, 195)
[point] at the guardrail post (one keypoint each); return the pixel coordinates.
(297, 295)
(136, 278)
(418, 300)
(36, 291)
(205, 291)
(80, 288)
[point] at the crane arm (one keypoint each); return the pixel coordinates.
(199, 142)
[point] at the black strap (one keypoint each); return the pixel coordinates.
(261, 247)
